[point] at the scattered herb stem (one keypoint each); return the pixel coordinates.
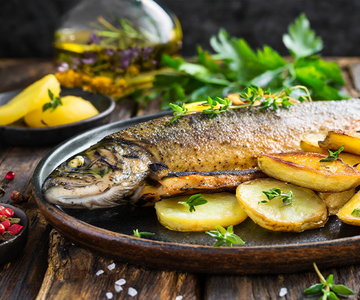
(327, 288)
(139, 234)
(225, 237)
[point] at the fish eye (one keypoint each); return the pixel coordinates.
(76, 162)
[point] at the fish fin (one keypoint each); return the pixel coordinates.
(158, 170)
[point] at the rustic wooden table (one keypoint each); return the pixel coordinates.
(51, 267)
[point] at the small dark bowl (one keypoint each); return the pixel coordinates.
(12, 248)
(18, 134)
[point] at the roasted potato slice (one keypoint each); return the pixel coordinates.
(310, 142)
(306, 170)
(221, 209)
(336, 139)
(335, 201)
(346, 215)
(307, 210)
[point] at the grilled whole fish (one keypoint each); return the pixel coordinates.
(157, 159)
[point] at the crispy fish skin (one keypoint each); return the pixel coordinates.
(154, 151)
(232, 140)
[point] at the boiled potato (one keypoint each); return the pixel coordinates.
(307, 210)
(221, 209)
(309, 142)
(33, 97)
(335, 201)
(345, 213)
(336, 139)
(306, 170)
(72, 110)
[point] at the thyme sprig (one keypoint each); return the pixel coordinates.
(327, 288)
(54, 102)
(250, 96)
(138, 234)
(332, 155)
(276, 192)
(194, 200)
(225, 237)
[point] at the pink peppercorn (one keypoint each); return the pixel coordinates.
(6, 224)
(10, 175)
(7, 212)
(15, 228)
(2, 229)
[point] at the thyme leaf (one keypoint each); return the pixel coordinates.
(54, 102)
(194, 200)
(178, 111)
(356, 212)
(276, 192)
(332, 155)
(225, 237)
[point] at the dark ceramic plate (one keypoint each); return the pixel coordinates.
(12, 248)
(110, 231)
(18, 134)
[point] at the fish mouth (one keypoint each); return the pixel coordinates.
(101, 176)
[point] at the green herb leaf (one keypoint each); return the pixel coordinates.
(301, 40)
(179, 111)
(341, 290)
(194, 200)
(332, 155)
(327, 288)
(139, 234)
(225, 237)
(276, 192)
(54, 102)
(314, 289)
(356, 212)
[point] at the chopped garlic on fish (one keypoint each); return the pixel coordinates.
(118, 288)
(111, 267)
(99, 272)
(109, 295)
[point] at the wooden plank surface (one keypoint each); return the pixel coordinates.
(52, 268)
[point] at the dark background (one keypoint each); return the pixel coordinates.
(27, 26)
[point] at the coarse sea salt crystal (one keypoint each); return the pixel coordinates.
(118, 288)
(111, 267)
(132, 292)
(283, 292)
(120, 282)
(99, 272)
(109, 295)
(179, 298)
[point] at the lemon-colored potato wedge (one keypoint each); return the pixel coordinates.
(310, 142)
(221, 209)
(32, 98)
(305, 169)
(336, 139)
(335, 201)
(307, 210)
(345, 212)
(73, 109)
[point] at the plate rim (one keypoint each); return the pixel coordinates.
(176, 249)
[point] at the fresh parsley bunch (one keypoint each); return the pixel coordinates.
(235, 65)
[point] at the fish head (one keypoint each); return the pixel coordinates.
(102, 176)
